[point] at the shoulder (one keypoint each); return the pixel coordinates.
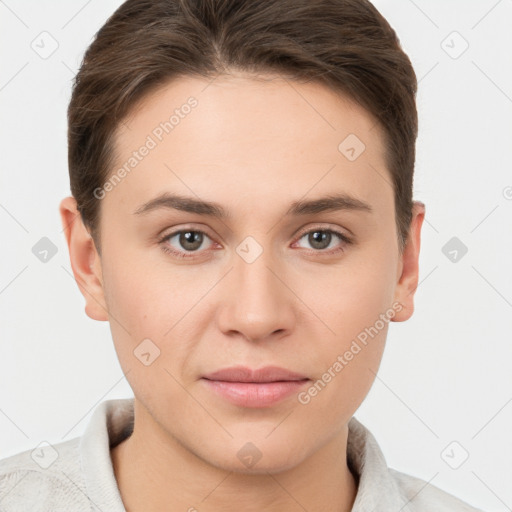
(425, 497)
(48, 477)
(384, 488)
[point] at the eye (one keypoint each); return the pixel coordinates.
(322, 239)
(189, 243)
(179, 243)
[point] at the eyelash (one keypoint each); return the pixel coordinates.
(344, 238)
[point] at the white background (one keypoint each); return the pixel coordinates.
(446, 373)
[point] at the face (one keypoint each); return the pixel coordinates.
(277, 280)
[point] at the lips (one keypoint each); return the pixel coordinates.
(261, 375)
(256, 388)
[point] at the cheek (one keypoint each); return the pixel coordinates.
(157, 302)
(354, 303)
(141, 307)
(350, 296)
(348, 360)
(146, 296)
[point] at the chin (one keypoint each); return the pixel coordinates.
(253, 459)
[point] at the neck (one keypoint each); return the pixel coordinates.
(154, 471)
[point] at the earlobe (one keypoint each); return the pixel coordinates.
(85, 260)
(409, 264)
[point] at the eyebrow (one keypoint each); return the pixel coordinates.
(331, 202)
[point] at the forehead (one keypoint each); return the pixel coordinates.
(255, 136)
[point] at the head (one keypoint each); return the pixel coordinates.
(241, 180)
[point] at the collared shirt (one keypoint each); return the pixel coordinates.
(78, 475)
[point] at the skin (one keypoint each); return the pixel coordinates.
(254, 146)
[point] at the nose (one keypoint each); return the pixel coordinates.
(257, 302)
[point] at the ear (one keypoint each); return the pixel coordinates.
(85, 260)
(408, 265)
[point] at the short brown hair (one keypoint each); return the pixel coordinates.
(346, 45)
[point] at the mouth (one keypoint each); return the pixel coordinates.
(262, 387)
(260, 375)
